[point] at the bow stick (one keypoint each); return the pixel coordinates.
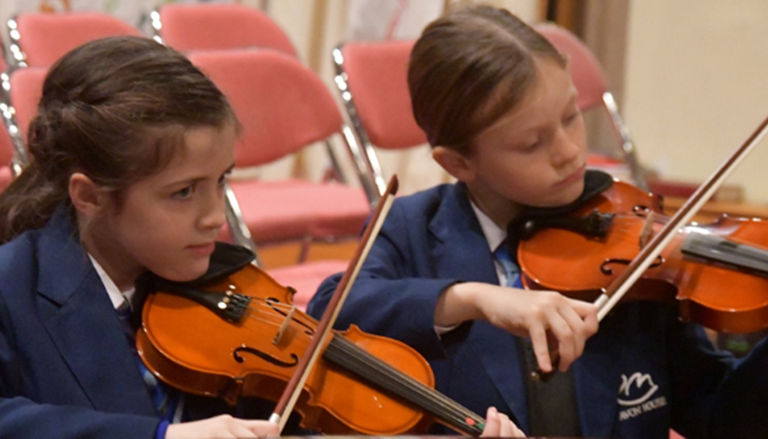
(296, 384)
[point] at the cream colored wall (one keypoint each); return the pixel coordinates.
(697, 86)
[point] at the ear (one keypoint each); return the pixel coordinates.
(87, 197)
(454, 163)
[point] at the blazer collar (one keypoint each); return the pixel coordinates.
(83, 324)
(463, 251)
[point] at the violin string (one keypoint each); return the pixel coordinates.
(275, 307)
(413, 390)
(450, 410)
(393, 378)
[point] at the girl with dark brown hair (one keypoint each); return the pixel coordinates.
(130, 149)
(499, 108)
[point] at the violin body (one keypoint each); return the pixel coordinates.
(721, 296)
(191, 348)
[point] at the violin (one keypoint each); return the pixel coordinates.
(241, 336)
(716, 273)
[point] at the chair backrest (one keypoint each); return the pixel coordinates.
(39, 39)
(212, 26)
(6, 143)
(586, 72)
(25, 90)
(281, 104)
(376, 76)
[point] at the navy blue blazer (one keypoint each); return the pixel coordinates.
(642, 373)
(66, 369)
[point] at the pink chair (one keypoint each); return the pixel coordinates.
(283, 107)
(588, 77)
(39, 39)
(213, 26)
(12, 151)
(25, 87)
(372, 78)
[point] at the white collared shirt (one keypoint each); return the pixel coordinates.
(494, 235)
(115, 295)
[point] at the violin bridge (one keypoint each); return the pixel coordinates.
(646, 233)
(283, 326)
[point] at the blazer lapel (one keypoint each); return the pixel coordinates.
(83, 324)
(462, 253)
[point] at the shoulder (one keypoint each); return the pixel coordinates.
(18, 256)
(24, 255)
(428, 201)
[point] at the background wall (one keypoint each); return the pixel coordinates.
(696, 86)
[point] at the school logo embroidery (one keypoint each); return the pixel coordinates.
(637, 394)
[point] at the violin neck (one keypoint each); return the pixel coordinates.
(716, 248)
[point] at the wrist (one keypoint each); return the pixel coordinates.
(458, 304)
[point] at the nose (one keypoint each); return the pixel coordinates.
(567, 147)
(213, 212)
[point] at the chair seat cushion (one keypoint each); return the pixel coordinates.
(292, 209)
(306, 277)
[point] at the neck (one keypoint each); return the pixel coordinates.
(97, 243)
(498, 209)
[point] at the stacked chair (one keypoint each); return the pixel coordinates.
(36, 41)
(12, 152)
(199, 26)
(371, 78)
(39, 39)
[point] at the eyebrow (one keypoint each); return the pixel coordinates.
(197, 179)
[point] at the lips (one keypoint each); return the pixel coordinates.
(574, 177)
(202, 249)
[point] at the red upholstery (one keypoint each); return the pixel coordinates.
(306, 277)
(6, 143)
(283, 106)
(188, 27)
(377, 74)
(26, 90)
(585, 70)
(284, 210)
(44, 38)
(5, 177)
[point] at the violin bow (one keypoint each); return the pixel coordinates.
(622, 283)
(294, 387)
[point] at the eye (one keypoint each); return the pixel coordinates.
(571, 116)
(185, 193)
(224, 176)
(532, 146)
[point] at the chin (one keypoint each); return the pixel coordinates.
(185, 274)
(572, 192)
